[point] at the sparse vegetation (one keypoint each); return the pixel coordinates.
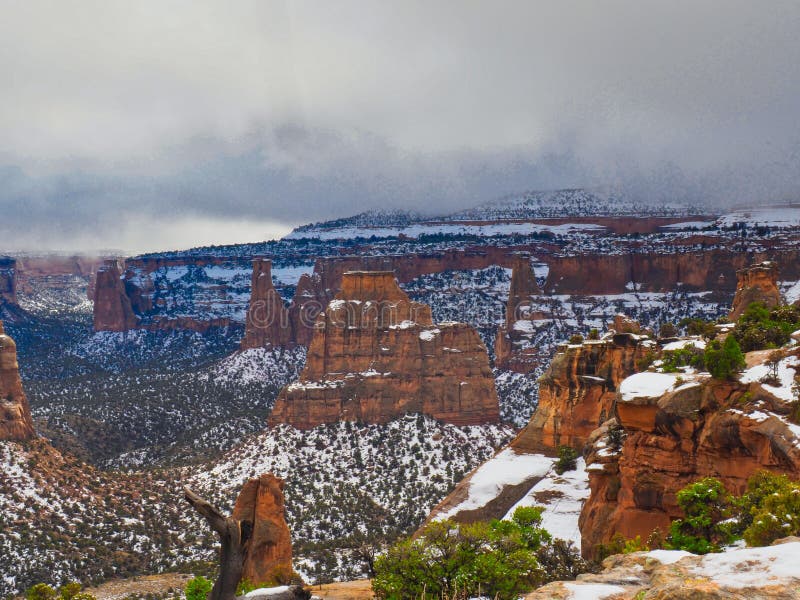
(567, 460)
(724, 360)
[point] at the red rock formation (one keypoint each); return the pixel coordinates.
(15, 414)
(713, 428)
(376, 355)
(269, 554)
(758, 283)
(8, 281)
(267, 318)
(578, 391)
(509, 354)
(112, 306)
(650, 272)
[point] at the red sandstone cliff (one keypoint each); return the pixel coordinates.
(577, 393)
(15, 414)
(8, 281)
(376, 355)
(112, 305)
(696, 429)
(758, 283)
(653, 272)
(269, 555)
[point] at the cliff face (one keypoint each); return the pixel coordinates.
(652, 272)
(269, 557)
(267, 318)
(578, 391)
(15, 414)
(375, 355)
(112, 305)
(8, 281)
(670, 438)
(758, 283)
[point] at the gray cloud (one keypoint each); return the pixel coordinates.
(118, 119)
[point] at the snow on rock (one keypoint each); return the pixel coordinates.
(685, 343)
(592, 591)
(667, 557)
(504, 469)
(562, 497)
(751, 567)
(273, 591)
(786, 372)
(646, 385)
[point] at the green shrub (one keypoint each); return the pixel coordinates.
(705, 527)
(689, 356)
(497, 559)
(594, 334)
(760, 328)
(68, 591)
(198, 588)
(706, 329)
(724, 360)
(567, 460)
(667, 330)
(576, 339)
(770, 508)
(40, 591)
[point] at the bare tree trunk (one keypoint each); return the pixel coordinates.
(233, 536)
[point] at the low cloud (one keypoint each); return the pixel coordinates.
(116, 117)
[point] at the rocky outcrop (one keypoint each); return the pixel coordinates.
(511, 353)
(758, 283)
(269, 553)
(8, 280)
(753, 573)
(376, 355)
(672, 432)
(15, 414)
(267, 318)
(112, 304)
(578, 391)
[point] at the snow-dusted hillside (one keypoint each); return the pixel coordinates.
(572, 203)
(348, 480)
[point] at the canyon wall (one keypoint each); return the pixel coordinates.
(705, 428)
(15, 414)
(758, 283)
(376, 355)
(8, 281)
(653, 272)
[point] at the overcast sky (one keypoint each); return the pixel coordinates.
(165, 124)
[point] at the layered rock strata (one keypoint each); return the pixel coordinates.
(8, 280)
(376, 355)
(112, 304)
(269, 553)
(578, 391)
(675, 430)
(758, 283)
(15, 414)
(268, 321)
